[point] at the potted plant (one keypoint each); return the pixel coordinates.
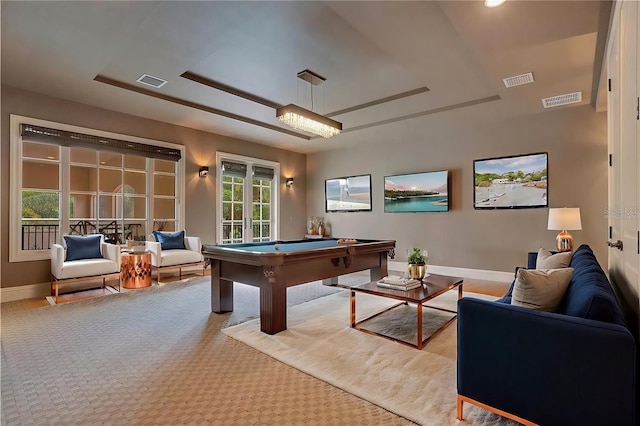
(417, 263)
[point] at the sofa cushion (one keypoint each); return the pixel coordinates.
(541, 289)
(170, 240)
(589, 294)
(83, 246)
(547, 260)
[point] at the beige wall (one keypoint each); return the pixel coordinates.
(201, 150)
(575, 138)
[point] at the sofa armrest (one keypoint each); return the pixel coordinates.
(156, 252)
(192, 243)
(57, 259)
(545, 367)
(111, 252)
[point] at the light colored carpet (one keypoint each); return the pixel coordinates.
(418, 385)
(157, 356)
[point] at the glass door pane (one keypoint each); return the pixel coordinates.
(232, 209)
(261, 208)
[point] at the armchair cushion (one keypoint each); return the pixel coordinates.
(83, 246)
(170, 240)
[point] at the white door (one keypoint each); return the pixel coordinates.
(247, 200)
(624, 221)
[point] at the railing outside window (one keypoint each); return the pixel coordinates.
(39, 237)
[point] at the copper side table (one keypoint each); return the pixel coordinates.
(135, 270)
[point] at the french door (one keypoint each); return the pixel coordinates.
(247, 199)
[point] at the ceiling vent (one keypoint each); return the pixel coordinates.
(569, 98)
(152, 81)
(518, 80)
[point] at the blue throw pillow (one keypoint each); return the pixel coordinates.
(170, 241)
(83, 246)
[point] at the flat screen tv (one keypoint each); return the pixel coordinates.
(417, 192)
(515, 182)
(348, 194)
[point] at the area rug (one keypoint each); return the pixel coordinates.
(417, 385)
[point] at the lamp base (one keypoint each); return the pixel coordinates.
(564, 242)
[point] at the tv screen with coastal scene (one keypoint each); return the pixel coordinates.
(348, 194)
(417, 192)
(511, 182)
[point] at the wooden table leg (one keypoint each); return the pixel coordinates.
(273, 309)
(460, 291)
(221, 291)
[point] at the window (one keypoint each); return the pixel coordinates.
(61, 188)
(247, 201)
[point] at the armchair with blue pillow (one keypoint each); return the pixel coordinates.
(174, 250)
(83, 258)
(572, 366)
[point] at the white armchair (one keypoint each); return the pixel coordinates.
(68, 271)
(188, 257)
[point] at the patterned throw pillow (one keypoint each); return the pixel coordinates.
(83, 246)
(541, 290)
(170, 240)
(546, 260)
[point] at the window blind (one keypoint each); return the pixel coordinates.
(234, 169)
(33, 133)
(260, 172)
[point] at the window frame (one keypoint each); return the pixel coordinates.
(16, 253)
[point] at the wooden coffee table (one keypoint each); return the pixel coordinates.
(432, 286)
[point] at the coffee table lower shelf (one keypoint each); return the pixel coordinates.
(417, 297)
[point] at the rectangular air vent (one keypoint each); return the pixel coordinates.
(518, 80)
(569, 98)
(152, 81)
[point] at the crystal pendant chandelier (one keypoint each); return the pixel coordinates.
(302, 119)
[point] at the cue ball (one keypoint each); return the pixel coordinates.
(276, 246)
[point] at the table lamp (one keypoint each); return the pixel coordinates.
(564, 219)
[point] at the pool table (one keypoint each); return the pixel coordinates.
(275, 265)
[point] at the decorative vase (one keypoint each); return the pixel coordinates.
(417, 270)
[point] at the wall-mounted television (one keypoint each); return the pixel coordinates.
(417, 192)
(515, 182)
(348, 194)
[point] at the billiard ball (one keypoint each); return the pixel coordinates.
(276, 246)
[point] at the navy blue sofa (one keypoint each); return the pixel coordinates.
(571, 367)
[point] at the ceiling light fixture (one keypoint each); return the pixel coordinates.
(493, 3)
(303, 119)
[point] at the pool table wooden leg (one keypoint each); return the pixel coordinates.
(221, 291)
(273, 309)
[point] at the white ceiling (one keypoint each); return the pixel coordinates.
(367, 51)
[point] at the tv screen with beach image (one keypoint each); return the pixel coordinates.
(417, 192)
(348, 194)
(511, 182)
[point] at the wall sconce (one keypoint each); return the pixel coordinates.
(203, 172)
(289, 182)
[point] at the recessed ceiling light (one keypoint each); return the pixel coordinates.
(152, 81)
(493, 3)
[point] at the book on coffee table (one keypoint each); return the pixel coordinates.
(399, 283)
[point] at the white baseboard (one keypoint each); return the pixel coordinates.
(29, 291)
(479, 274)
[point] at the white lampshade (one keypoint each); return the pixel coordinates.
(564, 219)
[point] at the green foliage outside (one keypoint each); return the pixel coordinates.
(39, 204)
